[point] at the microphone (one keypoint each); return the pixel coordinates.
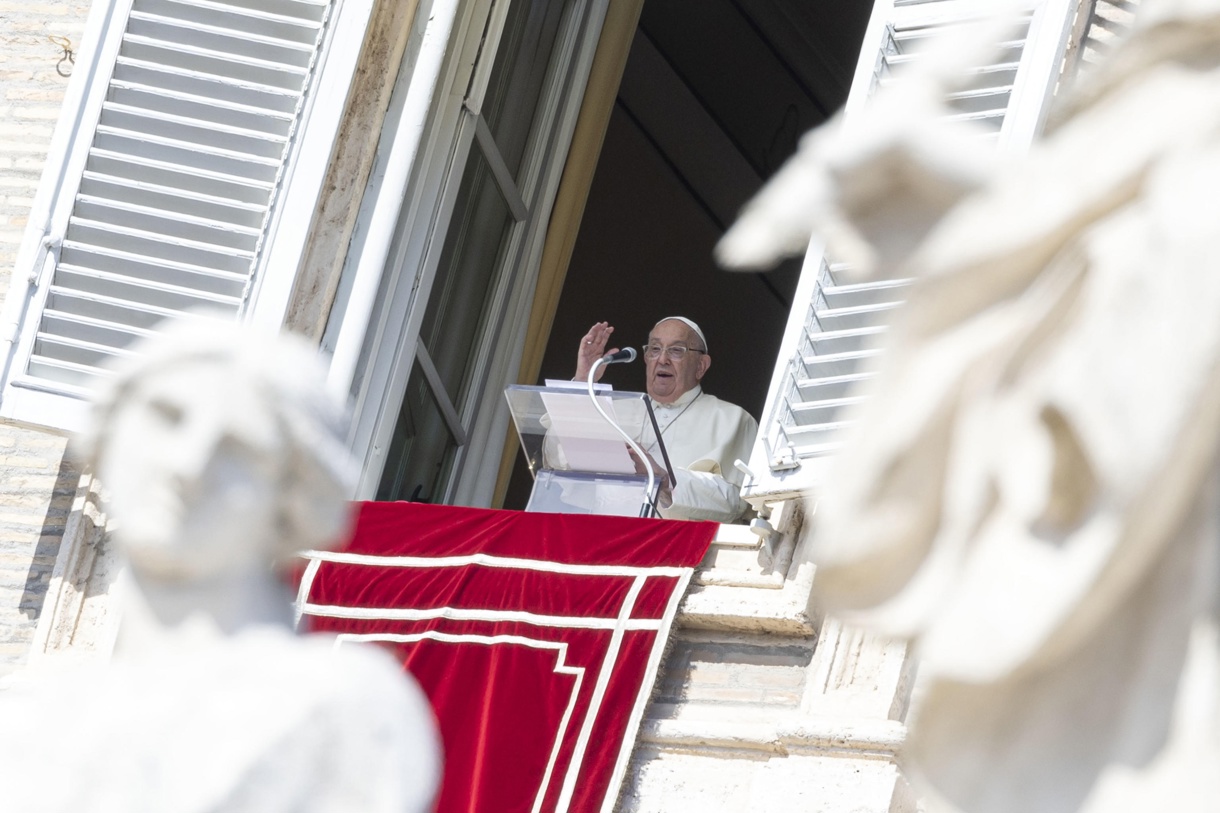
(625, 355)
(649, 507)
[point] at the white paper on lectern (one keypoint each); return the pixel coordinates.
(579, 386)
(588, 441)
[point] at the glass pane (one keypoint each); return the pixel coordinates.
(466, 275)
(422, 449)
(519, 75)
(471, 266)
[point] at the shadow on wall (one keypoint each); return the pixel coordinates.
(50, 535)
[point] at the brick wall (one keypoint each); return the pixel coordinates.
(36, 490)
(36, 483)
(30, 96)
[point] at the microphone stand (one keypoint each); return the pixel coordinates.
(649, 508)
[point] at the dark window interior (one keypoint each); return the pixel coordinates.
(713, 100)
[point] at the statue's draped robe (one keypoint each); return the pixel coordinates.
(1031, 493)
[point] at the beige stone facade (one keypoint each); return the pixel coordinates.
(37, 483)
(761, 706)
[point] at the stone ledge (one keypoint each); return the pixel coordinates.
(749, 609)
(879, 739)
(754, 583)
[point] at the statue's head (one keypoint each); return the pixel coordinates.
(220, 448)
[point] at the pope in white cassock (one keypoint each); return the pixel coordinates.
(703, 434)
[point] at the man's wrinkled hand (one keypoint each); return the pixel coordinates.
(592, 347)
(665, 495)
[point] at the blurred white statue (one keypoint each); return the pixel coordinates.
(1031, 493)
(222, 455)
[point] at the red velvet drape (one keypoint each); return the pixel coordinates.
(535, 636)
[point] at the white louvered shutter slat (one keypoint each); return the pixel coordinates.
(162, 78)
(198, 156)
(285, 27)
(136, 286)
(987, 89)
(835, 338)
(170, 201)
(154, 245)
(197, 121)
(840, 325)
(186, 181)
(148, 219)
(1100, 25)
(218, 138)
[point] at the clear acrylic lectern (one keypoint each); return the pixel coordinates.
(580, 464)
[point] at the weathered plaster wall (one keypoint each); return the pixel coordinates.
(335, 220)
(36, 484)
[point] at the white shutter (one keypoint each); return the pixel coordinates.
(834, 325)
(1108, 22)
(166, 186)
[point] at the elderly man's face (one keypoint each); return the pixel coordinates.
(669, 379)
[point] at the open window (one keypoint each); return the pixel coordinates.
(481, 256)
(424, 330)
(711, 103)
(429, 328)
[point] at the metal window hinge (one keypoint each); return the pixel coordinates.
(51, 244)
(783, 459)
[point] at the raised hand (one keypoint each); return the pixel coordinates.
(592, 347)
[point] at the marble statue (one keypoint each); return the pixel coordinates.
(222, 455)
(1031, 493)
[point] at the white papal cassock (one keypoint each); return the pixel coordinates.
(704, 436)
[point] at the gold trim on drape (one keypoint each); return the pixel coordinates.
(604, 77)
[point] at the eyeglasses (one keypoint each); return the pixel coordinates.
(675, 352)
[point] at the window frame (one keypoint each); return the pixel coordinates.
(373, 331)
